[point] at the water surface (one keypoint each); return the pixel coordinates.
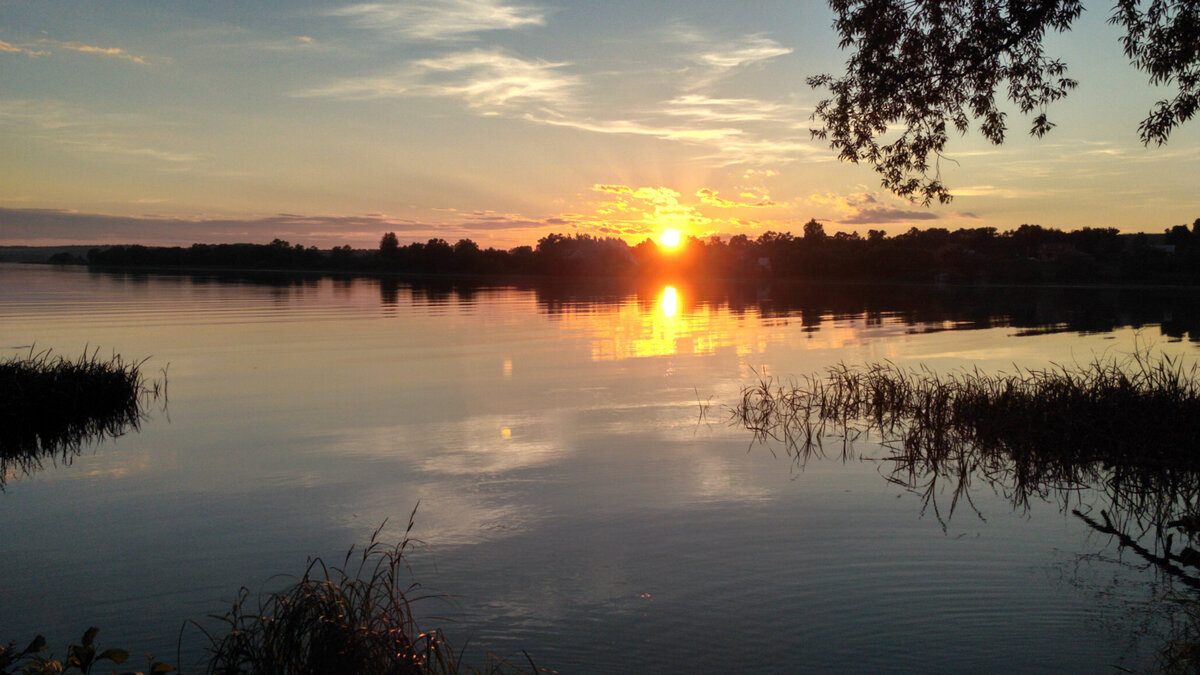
(574, 502)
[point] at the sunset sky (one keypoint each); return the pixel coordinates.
(502, 121)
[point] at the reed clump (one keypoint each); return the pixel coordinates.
(355, 618)
(1140, 409)
(1127, 425)
(50, 406)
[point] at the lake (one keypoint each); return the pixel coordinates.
(582, 495)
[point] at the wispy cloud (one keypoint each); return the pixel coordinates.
(989, 191)
(439, 19)
(481, 78)
(492, 78)
(113, 52)
(66, 125)
(298, 43)
(59, 226)
(883, 215)
(712, 59)
(765, 149)
(28, 50)
(634, 128)
(613, 189)
(708, 109)
(366, 87)
(867, 208)
(491, 81)
(725, 145)
(760, 173)
(33, 226)
(712, 198)
(743, 52)
(44, 47)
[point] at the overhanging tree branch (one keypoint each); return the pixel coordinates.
(919, 67)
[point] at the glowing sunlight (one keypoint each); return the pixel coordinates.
(670, 302)
(670, 238)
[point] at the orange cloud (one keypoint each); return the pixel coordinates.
(615, 189)
(710, 197)
(765, 173)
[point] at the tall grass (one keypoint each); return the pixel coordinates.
(353, 618)
(1129, 426)
(50, 406)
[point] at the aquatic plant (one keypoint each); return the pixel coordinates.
(51, 406)
(81, 658)
(356, 618)
(1141, 408)
(1125, 426)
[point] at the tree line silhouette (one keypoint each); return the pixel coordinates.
(1028, 254)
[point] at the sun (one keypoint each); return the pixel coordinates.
(670, 237)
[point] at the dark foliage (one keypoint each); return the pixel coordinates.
(81, 658)
(1164, 41)
(1029, 254)
(931, 67)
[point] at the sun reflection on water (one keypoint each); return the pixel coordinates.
(666, 327)
(669, 302)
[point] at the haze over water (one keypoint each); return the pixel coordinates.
(574, 500)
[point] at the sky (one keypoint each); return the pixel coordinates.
(501, 121)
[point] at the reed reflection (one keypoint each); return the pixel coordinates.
(51, 407)
(1113, 441)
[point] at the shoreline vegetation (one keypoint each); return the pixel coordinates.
(51, 406)
(1126, 427)
(352, 618)
(1030, 254)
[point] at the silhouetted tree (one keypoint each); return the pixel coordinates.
(389, 246)
(1029, 254)
(931, 66)
(814, 232)
(1179, 236)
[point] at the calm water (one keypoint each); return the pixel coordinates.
(572, 502)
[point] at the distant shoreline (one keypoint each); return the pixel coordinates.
(981, 257)
(608, 281)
